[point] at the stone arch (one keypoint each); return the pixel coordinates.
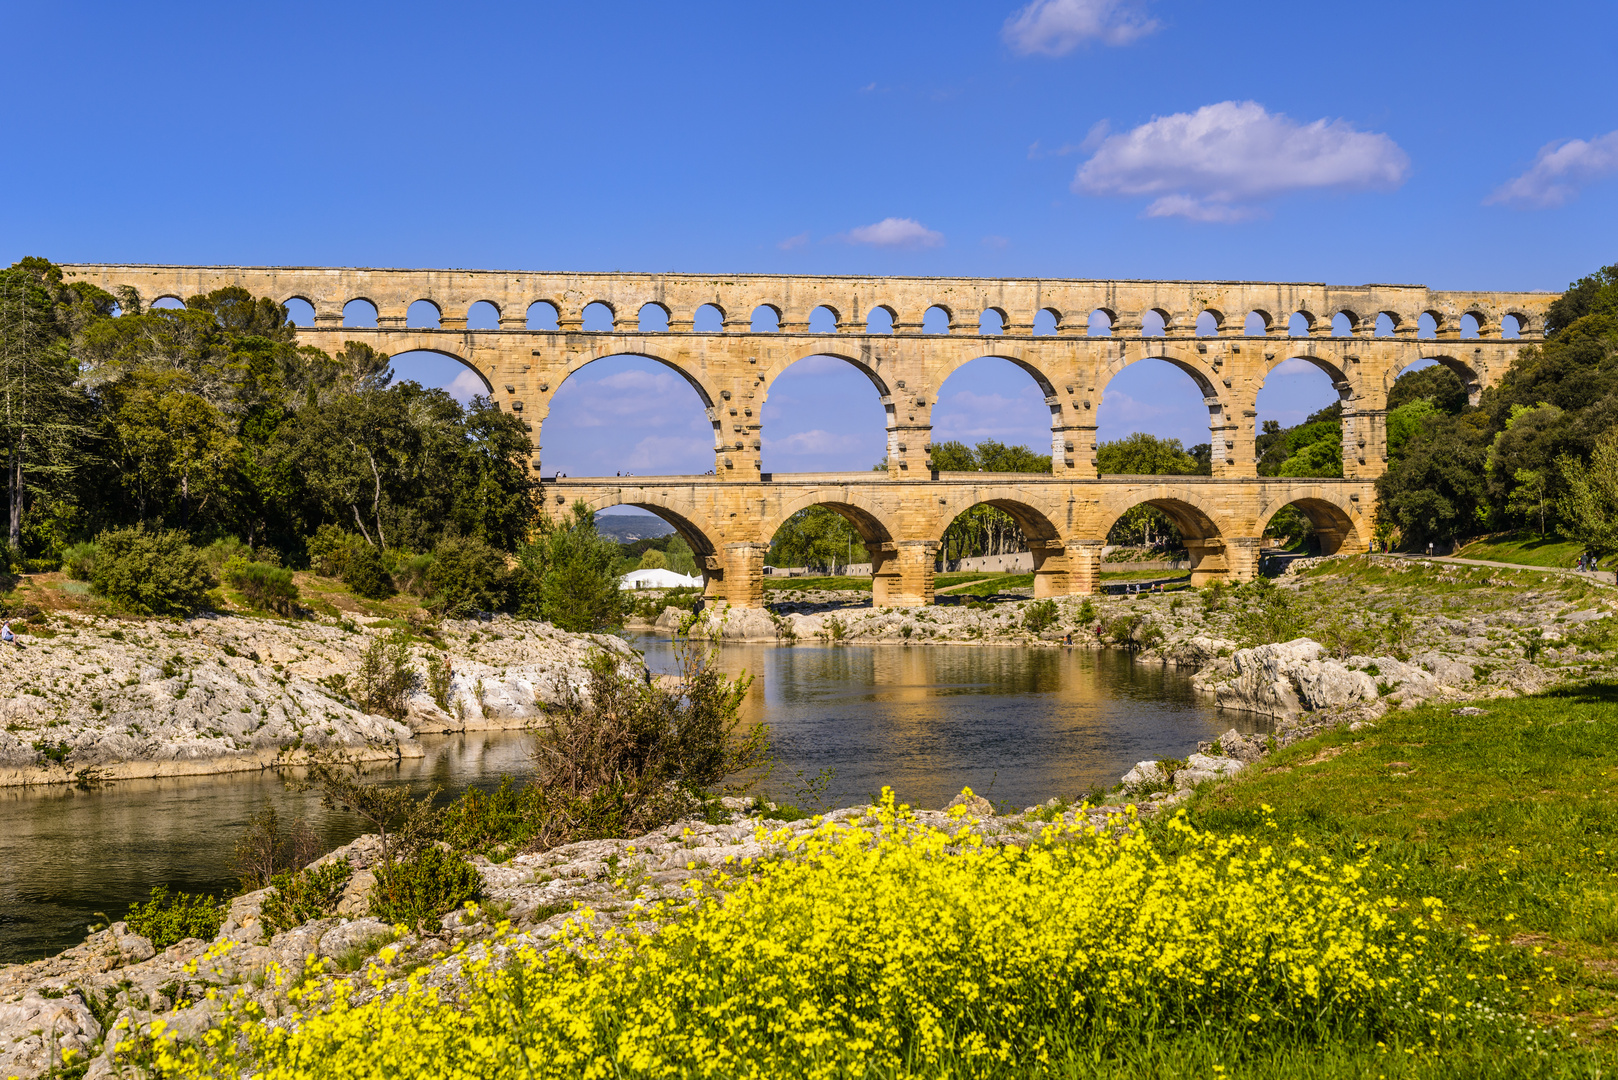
(874, 318)
(829, 309)
(771, 312)
(708, 399)
(1266, 323)
(876, 530)
(1055, 324)
(1220, 418)
(1001, 322)
(700, 314)
(869, 371)
(1333, 521)
(376, 312)
(938, 324)
(424, 314)
(1046, 545)
(1198, 521)
(684, 520)
(1304, 316)
(1470, 377)
(651, 317)
(885, 393)
(1216, 320)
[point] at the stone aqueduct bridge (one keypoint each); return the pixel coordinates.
(730, 517)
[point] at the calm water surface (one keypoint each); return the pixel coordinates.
(1018, 725)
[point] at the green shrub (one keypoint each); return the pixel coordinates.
(264, 586)
(166, 919)
(150, 573)
(496, 824)
(650, 607)
(439, 676)
(410, 572)
(467, 575)
(79, 561)
(222, 551)
(1266, 614)
(1087, 612)
(305, 895)
(577, 589)
(329, 549)
(1040, 616)
(424, 887)
(364, 572)
(384, 678)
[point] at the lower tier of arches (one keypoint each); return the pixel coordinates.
(730, 525)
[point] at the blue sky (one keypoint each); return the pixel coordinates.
(1462, 145)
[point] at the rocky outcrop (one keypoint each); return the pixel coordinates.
(103, 699)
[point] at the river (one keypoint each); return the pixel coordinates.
(1017, 725)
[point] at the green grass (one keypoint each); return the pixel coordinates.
(819, 584)
(995, 584)
(1525, 549)
(1509, 817)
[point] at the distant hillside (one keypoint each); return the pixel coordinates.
(627, 528)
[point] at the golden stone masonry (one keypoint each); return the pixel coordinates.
(729, 517)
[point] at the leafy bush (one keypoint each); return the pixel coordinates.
(496, 824)
(384, 678)
(1087, 612)
(166, 919)
(410, 573)
(329, 549)
(467, 575)
(424, 887)
(1213, 597)
(1040, 616)
(625, 756)
(264, 586)
(578, 590)
(1266, 614)
(650, 607)
(150, 573)
(304, 895)
(365, 573)
(439, 676)
(79, 561)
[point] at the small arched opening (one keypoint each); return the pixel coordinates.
(542, 315)
(1046, 320)
(1256, 324)
(879, 321)
(652, 319)
(358, 314)
(935, 320)
(1300, 324)
(1386, 324)
(1154, 323)
(300, 312)
(1100, 323)
(483, 316)
(1208, 323)
(1426, 326)
(766, 319)
(597, 318)
(422, 315)
(992, 322)
(1511, 326)
(708, 319)
(174, 303)
(823, 320)
(1343, 324)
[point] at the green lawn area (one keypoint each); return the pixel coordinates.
(1144, 575)
(1509, 817)
(1525, 549)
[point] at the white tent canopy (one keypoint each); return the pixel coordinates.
(657, 579)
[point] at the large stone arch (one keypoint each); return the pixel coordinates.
(874, 522)
(439, 350)
(1223, 424)
(1336, 520)
(687, 520)
(1039, 525)
(1471, 377)
(578, 362)
(1350, 395)
(894, 562)
(1202, 524)
(838, 350)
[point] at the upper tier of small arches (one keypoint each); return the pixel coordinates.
(601, 316)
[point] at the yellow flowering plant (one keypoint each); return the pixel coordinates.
(884, 946)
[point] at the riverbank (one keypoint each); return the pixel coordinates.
(89, 698)
(1485, 807)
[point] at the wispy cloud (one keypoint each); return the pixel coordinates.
(1057, 27)
(1559, 171)
(794, 242)
(896, 233)
(1213, 164)
(992, 241)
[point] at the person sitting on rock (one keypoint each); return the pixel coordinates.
(6, 635)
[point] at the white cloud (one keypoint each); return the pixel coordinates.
(467, 385)
(1057, 27)
(818, 441)
(1560, 170)
(793, 242)
(1206, 165)
(896, 232)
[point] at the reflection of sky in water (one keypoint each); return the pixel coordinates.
(1019, 725)
(928, 721)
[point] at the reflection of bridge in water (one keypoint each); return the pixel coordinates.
(1071, 337)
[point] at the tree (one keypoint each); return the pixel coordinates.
(43, 412)
(1145, 455)
(1589, 507)
(653, 559)
(578, 590)
(818, 537)
(1528, 496)
(1436, 490)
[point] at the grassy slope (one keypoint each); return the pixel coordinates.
(1525, 549)
(1509, 817)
